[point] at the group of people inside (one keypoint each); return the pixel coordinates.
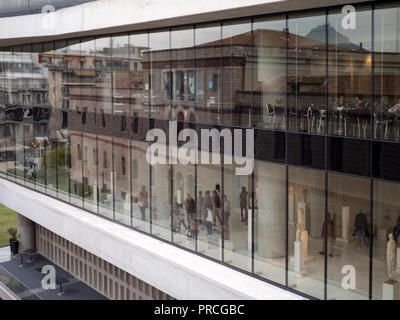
(361, 229)
(210, 210)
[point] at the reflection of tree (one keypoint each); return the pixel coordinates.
(56, 157)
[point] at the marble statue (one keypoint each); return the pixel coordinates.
(300, 224)
(391, 257)
(298, 232)
(301, 218)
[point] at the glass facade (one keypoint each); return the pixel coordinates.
(323, 102)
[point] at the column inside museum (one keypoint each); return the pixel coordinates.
(271, 216)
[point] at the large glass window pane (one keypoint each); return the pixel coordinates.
(183, 74)
(237, 73)
(306, 208)
(90, 167)
(140, 186)
(122, 189)
(209, 182)
(270, 41)
(185, 222)
(103, 67)
(348, 237)
(160, 77)
(386, 221)
(208, 72)
(306, 72)
(72, 91)
(17, 113)
(269, 220)
(4, 131)
(349, 70)
(386, 66)
(234, 217)
(161, 175)
(120, 65)
(38, 90)
(139, 66)
(53, 57)
(106, 173)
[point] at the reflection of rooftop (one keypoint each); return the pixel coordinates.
(25, 281)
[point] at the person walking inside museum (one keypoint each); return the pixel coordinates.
(216, 201)
(224, 220)
(189, 207)
(200, 207)
(207, 203)
(143, 202)
(209, 220)
(244, 195)
(331, 235)
(361, 228)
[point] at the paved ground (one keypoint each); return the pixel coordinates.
(26, 281)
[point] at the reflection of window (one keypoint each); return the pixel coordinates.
(123, 195)
(105, 160)
(167, 84)
(134, 169)
(123, 164)
(179, 85)
(79, 152)
(123, 123)
(135, 124)
(103, 119)
(84, 116)
(191, 84)
(199, 85)
(85, 154)
(215, 82)
(96, 156)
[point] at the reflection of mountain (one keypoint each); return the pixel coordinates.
(334, 37)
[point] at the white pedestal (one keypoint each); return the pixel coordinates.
(306, 208)
(298, 257)
(304, 240)
(398, 260)
(390, 290)
(292, 209)
(345, 236)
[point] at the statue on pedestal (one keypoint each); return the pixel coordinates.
(391, 257)
(300, 224)
(298, 232)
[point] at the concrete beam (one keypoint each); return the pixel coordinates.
(179, 273)
(111, 16)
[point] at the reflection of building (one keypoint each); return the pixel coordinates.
(323, 106)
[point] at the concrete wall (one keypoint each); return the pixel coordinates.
(106, 16)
